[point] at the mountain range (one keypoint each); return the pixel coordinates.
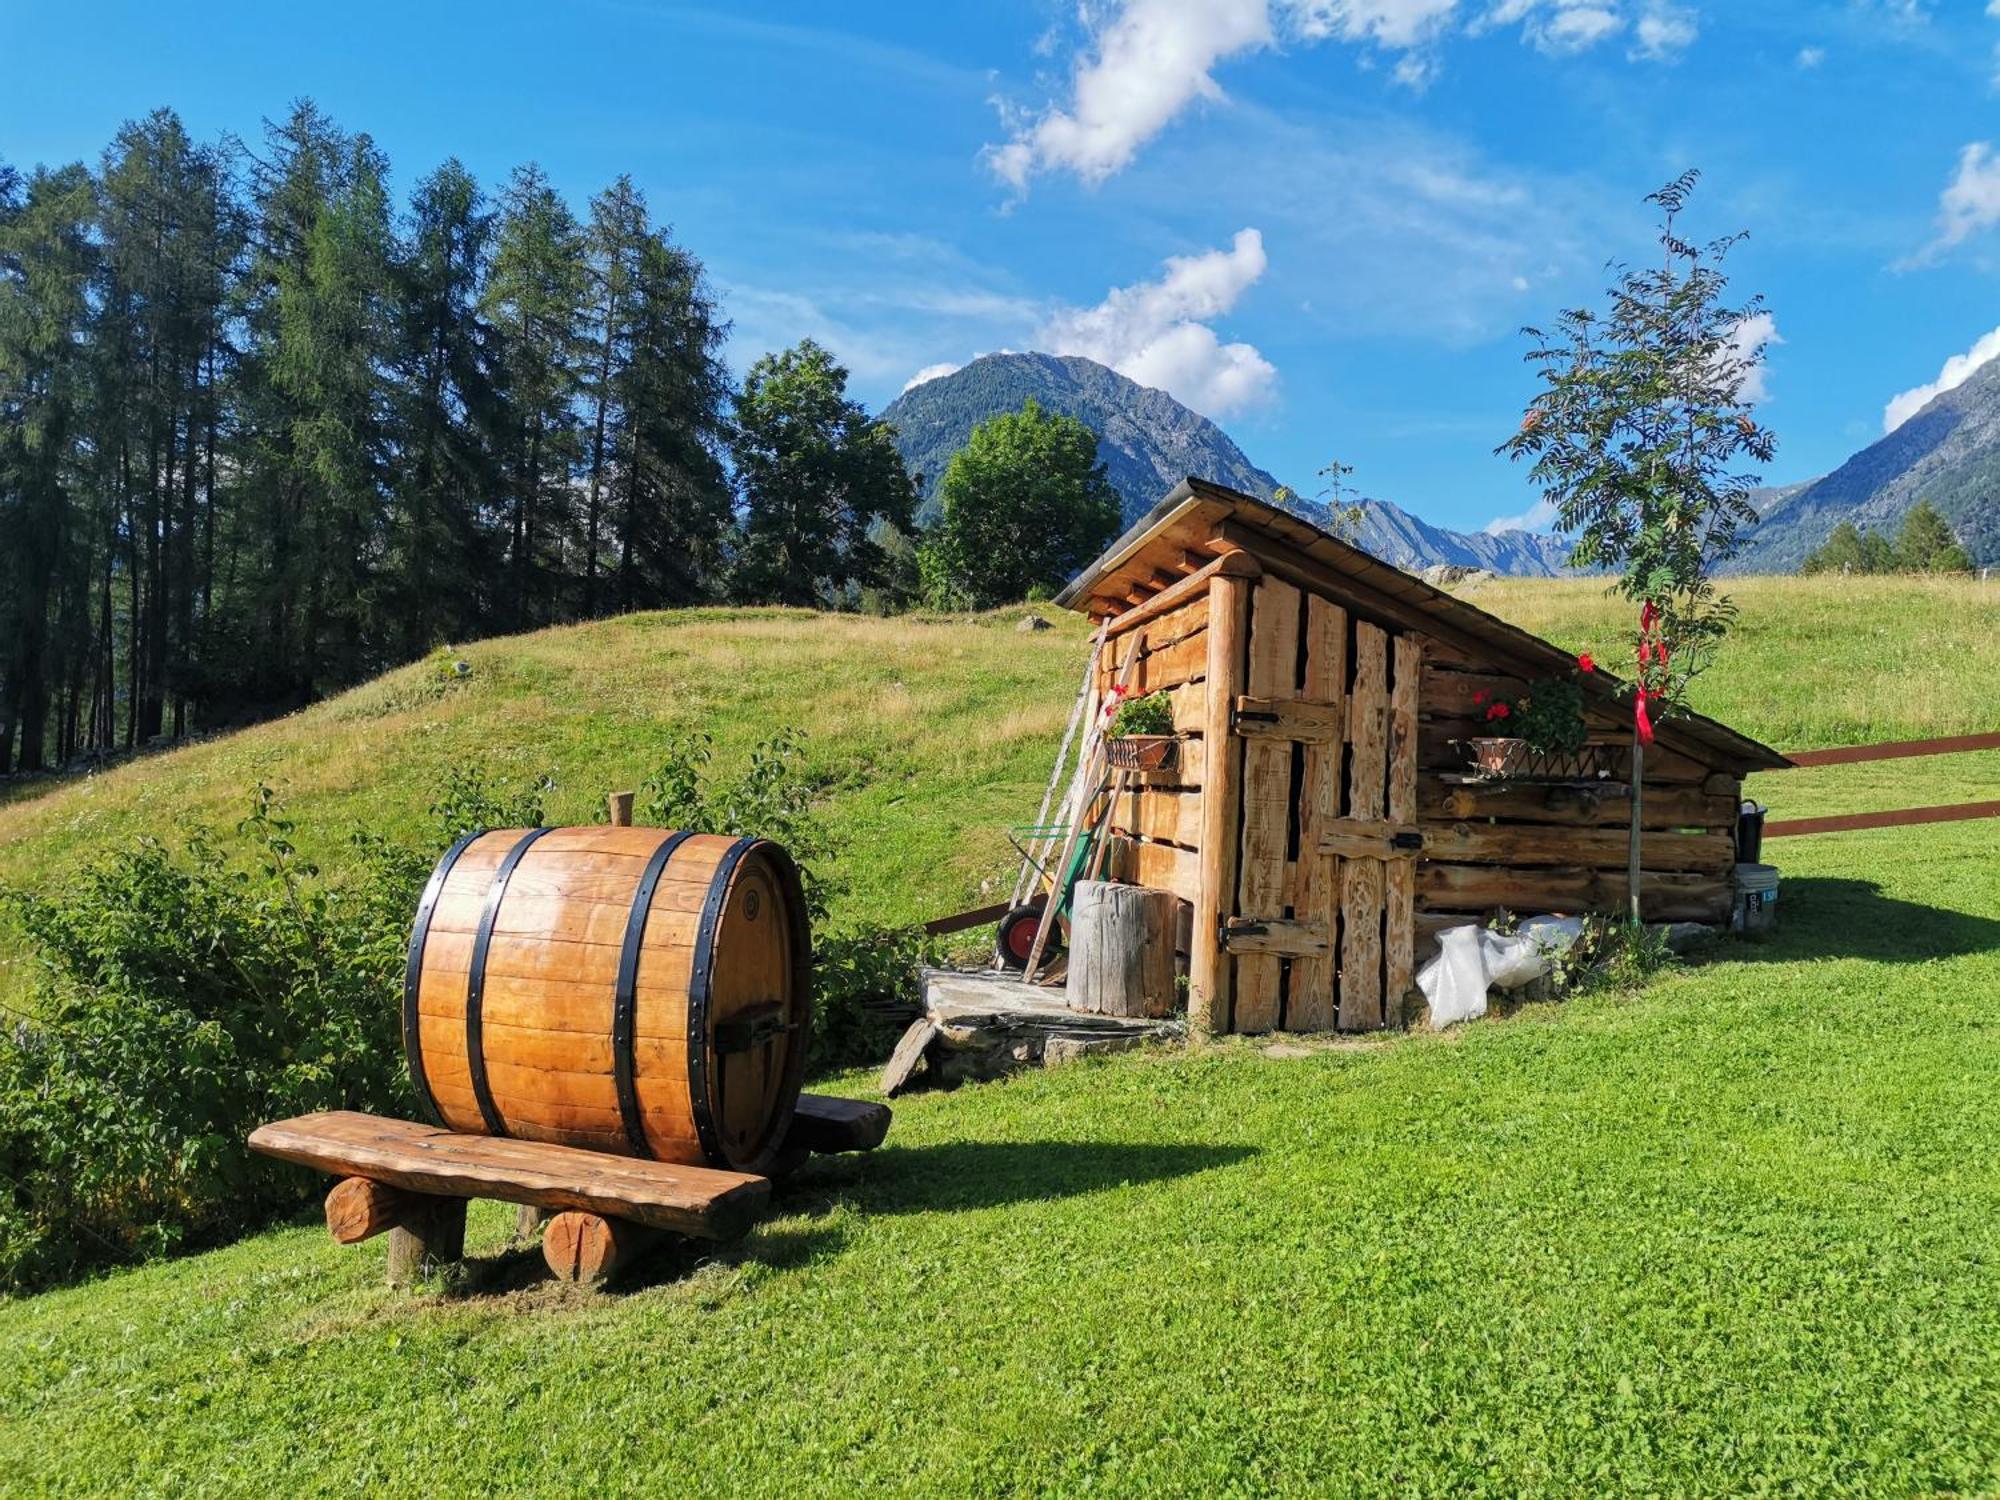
(1948, 453)
(1148, 442)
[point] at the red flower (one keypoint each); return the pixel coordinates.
(1498, 711)
(1584, 661)
(1480, 696)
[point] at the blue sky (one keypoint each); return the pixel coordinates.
(1320, 221)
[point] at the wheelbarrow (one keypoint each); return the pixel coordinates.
(1015, 939)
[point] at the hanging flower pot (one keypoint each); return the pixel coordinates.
(1140, 736)
(1498, 755)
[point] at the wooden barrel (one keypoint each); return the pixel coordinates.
(634, 990)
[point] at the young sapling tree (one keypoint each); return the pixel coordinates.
(1638, 438)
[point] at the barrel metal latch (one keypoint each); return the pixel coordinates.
(749, 1029)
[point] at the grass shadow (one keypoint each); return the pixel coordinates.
(991, 1174)
(1823, 916)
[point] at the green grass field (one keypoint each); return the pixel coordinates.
(1736, 1232)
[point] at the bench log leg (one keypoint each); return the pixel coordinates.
(430, 1236)
(528, 1220)
(359, 1209)
(589, 1247)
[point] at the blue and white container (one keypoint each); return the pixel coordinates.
(1756, 904)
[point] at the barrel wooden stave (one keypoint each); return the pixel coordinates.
(550, 977)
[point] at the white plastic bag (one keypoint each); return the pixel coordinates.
(1471, 959)
(1454, 983)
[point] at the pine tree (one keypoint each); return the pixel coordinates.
(673, 508)
(818, 475)
(446, 418)
(535, 299)
(46, 260)
(1927, 544)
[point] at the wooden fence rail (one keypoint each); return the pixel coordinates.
(1848, 755)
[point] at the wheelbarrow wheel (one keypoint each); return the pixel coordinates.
(1016, 937)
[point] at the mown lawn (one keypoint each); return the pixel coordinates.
(1737, 1232)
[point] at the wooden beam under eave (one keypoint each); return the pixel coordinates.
(1235, 564)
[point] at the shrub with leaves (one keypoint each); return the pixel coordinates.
(184, 996)
(859, 971)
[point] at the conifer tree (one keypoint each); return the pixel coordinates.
(535, 299)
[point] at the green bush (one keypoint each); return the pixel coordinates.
(182, 998)
(858, 972)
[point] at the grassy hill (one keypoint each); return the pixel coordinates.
(1733, 1232)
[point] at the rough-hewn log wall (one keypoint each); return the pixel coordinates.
(1532, 850)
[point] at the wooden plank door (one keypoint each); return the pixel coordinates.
(1321, 924)
(1376, 841)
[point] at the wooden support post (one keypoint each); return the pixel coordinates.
(1208, 965)
(589, 1247)
(1632, 853)
(358, 1209)
(621, 808)
(429, 1237)
(528, 1220)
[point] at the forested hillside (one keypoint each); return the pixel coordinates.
(265, 430)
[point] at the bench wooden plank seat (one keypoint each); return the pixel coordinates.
(697, 1201)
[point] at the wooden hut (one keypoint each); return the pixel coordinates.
(1318, 822)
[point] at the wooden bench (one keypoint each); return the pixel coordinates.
(413, 1181)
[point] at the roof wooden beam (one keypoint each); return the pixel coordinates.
(1229, 565)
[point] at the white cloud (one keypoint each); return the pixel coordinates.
(1389, 23)
(1811, 57)
(1665, 32)
(1957, 370)
(1557, 27)
(1538, 517)
(1747, 342)
(1144, 62)
(1147, 64)
(931, 372)
(1971, 200)
(1157, 333)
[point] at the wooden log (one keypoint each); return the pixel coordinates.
(429, 1237)
(902, 1064)
(619, 804)
(1478, 889)
(1121, 956)
(828, 1125)
(528, 1220)
(1665, 807)
(1282, 938)
(358, 1209)
(701, 1201)
(591, 1247)
(1525, 844)
(1210, 980)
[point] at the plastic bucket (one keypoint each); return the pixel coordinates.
(1756, 898)
(1750, 832)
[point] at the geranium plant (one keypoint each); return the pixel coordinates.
(1151, 714)
(1548, 714)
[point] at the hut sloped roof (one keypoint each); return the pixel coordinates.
(1187, 526)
